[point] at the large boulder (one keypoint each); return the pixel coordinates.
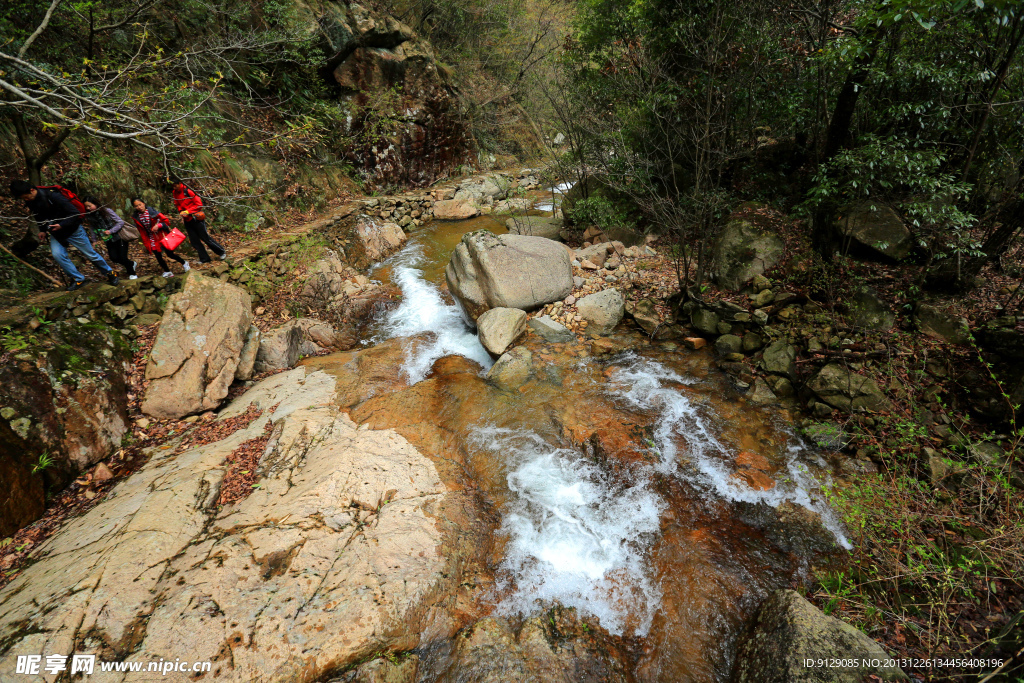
(602, 310)
(540, 226)
(550, 330)
(65, 395)
(483, 190)
(377, 239)
(837, 386)
(198, 348)
(508, 271)
(326, 277)
(704, 320)
(878, 228)
(645, 315)
(370, 54)
(514, 205)
(283, 347)
(455, 209)
(789, 632)
(499, 328)
(744, 251)
(939, 324)
(869, 311)
(512, 369)
(596, 253)
(336, 553)
(779, 358)
(728, 344)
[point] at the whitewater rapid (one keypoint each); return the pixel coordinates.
(575, 534)
(650, 386)
(423, 309)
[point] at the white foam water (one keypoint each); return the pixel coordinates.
(575, 535)
(651, 386)
(424, 310)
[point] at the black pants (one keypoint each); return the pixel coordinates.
(160, 258)
(117, 249)
(197, 236)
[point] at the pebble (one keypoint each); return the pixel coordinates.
(102, 473)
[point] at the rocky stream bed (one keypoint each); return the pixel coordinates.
(575, 503)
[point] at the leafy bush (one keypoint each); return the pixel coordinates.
(602, 212)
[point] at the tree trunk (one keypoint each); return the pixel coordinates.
(955, 276)
(823, 231)
(35, 159)
(838, 133)
(1004, 68)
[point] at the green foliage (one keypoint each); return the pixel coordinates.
(43, 463)
(253, 221)
(15, 275)
(380, 115)
(671, 98)
(13, 340)
(602, 212)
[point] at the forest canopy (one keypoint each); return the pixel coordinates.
(916, 104)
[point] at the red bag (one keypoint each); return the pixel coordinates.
(69, 195)
(172, 239)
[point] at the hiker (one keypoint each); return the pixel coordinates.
(112, 229)
(60, 220)
(190, 208)
(154, 228)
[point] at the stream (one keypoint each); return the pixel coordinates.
(637, 488)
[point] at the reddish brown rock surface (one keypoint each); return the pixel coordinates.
(64, 403)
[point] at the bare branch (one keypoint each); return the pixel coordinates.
(39, 29)
(139, 9)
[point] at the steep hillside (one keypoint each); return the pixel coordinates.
(266, 107)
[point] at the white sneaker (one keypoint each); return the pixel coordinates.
(186, 266)
(168, 274)
(224, 256)
(133, 277)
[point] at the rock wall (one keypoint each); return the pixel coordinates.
(405, 124)
(64, 408)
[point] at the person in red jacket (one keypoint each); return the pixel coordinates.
(152, 225)
(190, 208)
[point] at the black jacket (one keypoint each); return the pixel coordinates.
(103, 219)
(51, 207)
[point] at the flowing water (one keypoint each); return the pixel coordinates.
(636, 488)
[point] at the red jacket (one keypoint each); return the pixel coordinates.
(186, 200)
(151, 224)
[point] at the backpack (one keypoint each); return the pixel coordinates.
(69, 195)
(198, 215)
